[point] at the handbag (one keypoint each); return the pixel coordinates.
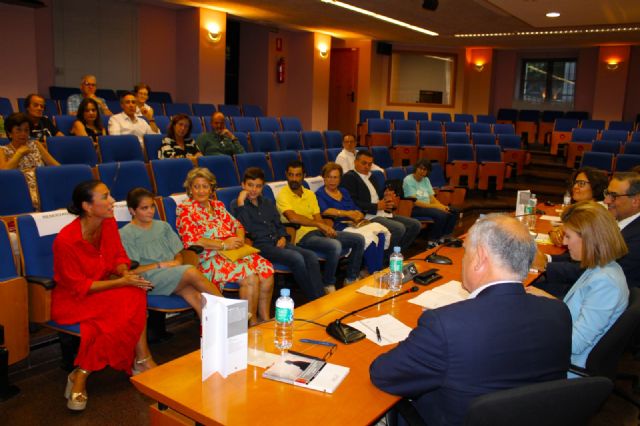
(235, 254)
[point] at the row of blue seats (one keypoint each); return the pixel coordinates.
(588, 134)
(383, 125)
(610, 162)
(444, 117)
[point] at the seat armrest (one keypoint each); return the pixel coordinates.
(195, 248)
(292, 225)
(134, 264)
(45, 282)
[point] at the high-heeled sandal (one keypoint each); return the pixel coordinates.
(76, 401)
(135, 370)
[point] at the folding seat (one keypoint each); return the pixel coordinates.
(457, 138)
(122, 177)
(393, 115)
(379, 132)
(169, 205)
(203, 110)
(561, 133)
(279, 162)
(158, 108)
(431, 144)
(244, 124)
(178, 108)
(606, 146)
(599, 160)
(168, 175)
(577, 115)
(381, 156)
(448, 195)
(312, 139)
(269, 124)
(162, 121)
(443, 117)
(615, 135)
(513, 152)
(405, 125)
(291, 124)
(461, 165)
(14, 193)
(395, 173)
(107, 94)
(545, 127)
(4, 141)
(486, 118)
(196, 125)
(483, 138)
(64, 123)
(227, 195)
(230, 110)
(592, 124)
(504, 129)
(252, 111)
(254, 159)
(244, 141)
(152, 144)
(490, 165)
(223, 167)
(333, 138)
(14, 305)
(528, 123)
(160, 97)
(626, 162)
(263, 142)
(62, 93)
(479, 128)
(626, 126)
(114, 107)
(332, 153)
(581, 141)
(507, 116)
(632, 148)
(635, 137)
(119, 148)
(418, 116)
(464, 118)
(455, 126)
(364, 116)
(313, 161)
(72, 150)
(289, 141)
(404, 147)
(56, 184)
(429, 125)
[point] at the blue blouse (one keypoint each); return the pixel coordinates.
(325, 201)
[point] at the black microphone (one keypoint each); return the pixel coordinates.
(347, 334)
(440, 259)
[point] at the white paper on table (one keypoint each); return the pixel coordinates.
(373, 291)
(391, 329)
(443, 295)
(550, 218)
(543, 239)
(261, 359)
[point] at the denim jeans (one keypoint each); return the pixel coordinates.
(443, 223)
(403, 230)
(331, 248)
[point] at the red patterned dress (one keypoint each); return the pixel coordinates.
(112, 320)
(195, 222)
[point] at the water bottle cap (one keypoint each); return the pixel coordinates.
(396, 249)
(285, 292)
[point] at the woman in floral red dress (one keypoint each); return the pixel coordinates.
(95, 288)
(207, 223)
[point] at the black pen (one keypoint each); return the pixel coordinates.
(317, 342)
(378, 335)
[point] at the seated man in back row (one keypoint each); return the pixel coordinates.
(128, 123)
(499, 338)
(221, 141)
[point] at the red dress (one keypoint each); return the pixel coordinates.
(112, 320)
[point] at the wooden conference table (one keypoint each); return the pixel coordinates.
(246, 398)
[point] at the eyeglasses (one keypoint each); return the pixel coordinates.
(613, 195)
(581, 183)
(86, 83)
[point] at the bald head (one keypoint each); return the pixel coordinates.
(217, 122)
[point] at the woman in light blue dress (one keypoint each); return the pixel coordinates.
(157, 248)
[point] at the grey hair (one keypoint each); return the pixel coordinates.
(508, 241)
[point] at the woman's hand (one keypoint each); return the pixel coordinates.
(233, 243)
(147, 112)
(134, 280)
(169, 263)
(282, 241)
(22, 151)
(556, 236)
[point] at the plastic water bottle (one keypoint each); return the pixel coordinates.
(395, 269)
(531, 210)
(284, 320)
(566, 200)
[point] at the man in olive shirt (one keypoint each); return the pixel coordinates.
(219, 142)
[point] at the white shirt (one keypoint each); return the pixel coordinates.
(121, 124)
(347, 159)
(625, 222)
(374, 196)
(479, 290)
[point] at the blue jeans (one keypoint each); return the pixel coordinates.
(331, 248)
(443, 223)
(303, 264)
(403, 230)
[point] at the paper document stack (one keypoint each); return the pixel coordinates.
(443, 295)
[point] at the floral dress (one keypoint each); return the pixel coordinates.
(195, 222)
(27, 166)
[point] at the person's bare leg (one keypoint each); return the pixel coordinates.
(264, 300)
(249, 292)
(191, 285)
(144, 361)
(79, 378)
(193, 297)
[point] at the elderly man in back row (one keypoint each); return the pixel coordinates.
(88, 87)
(221, 141)
(461, 351)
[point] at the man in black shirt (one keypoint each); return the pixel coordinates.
(41, 126)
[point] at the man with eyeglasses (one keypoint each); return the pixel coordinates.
(88, 87)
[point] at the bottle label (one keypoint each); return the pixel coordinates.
(284, 314)
(395, 265)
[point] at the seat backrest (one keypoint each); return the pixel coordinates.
(72, 150)
(252, 111)
(245, 124)
(120, 148)
(158, 108)
(379, 125)
(114, 107)
(459, 152)
(313, 160)
(480, 128)
(393, 115)
(626, 162)
(332, 153)
(291, 124)
(635, 137)
(488, 153)
(263, 141)
(122, 177)
(62, 93)
(405, 125)
(230, 110)
(464, 118)
(64, 123)
(177, 108)
(483, 138)
(289, 140)
(599, 160)
(507, 114)
(549, 116)
(227, 195)
(56, 184)
(632, 148)
(162, 121)
(169, 175)
(378, 178)
(333, 138)
(152, 144)
(443, 117)
(455, 126)
(14, 193)
(592, 124)
(486, 118)
(430, 138)
(554, 403)
(530, 115)
(417, 115)
(223, 167)
(395, 173)
(436, 175)
(510, 142)
(169, 206)
(5, 107)
(457, 137)
(366, 114)
(426, 125)
(279, 161)
(8, 268)
(107, 94)
(615, 135)
(269, 124)
(196, 125)
(203, 110)
(504, 129)
(243, 138)
(403, 137)
(565, 124)
(4, 141)
(603, 145)
(312, 139)
(626, 126)
(254, 159)
(381, 156)
(584, 135)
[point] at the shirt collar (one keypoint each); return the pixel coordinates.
(367, 176)
(478, 290)
(624, 222)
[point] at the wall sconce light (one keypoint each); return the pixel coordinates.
(213, 32)
(323, 49)
(478, 66)
(612, 64)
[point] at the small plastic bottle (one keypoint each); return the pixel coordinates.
(533, 202)
(566, 200)
(395, 269)
(284, 320)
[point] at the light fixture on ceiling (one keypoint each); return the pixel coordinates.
(323, 49)
(380, 17)
(213, 32)
(552, 14)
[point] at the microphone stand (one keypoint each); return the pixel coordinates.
(438, 258)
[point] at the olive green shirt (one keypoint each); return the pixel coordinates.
(215, 144)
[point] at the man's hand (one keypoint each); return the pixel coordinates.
(227, 133)
(327, 230)
(540, 261)
(242, 196)
(282, 241)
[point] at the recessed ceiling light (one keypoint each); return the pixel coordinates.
(553, 14)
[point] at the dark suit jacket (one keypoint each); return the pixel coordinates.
(359, 192)
(501, 339)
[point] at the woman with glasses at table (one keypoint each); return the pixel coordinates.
(205, 222)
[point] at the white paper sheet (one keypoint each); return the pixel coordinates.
(373, 291)
(550, 218)
(443, 295)
(49, 223)
(391, 329)
(261, 359)
(121, 212)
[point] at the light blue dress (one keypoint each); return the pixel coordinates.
(595, 301)
(156, 244)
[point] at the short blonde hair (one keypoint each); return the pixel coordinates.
(602, 241)
(199, 172)
(329, 167)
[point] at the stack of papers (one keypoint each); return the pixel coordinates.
(373, 291)
(443, 295)
(391, 330)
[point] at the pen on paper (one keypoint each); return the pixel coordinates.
(317, 342)
(378, 334)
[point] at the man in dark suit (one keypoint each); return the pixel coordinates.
(376, 202)
(500, 338)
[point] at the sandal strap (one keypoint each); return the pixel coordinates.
(82, 370)
(143, 360)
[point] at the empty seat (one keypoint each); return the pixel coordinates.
(626, 162)
(263, 141)
(158, 108)
(152, 144)
(507, 115)
(463, 118)
(599, 160)
(5, 107)
(120, 148)
(160, 97)
(561, 133)
(62, 93)
(480, 128)
(107, 94)
(254, 159)
(178, 108)
(393, 115)
(490, 165)
(169, 175)
(486, 118)
(333, 138)
(243, 139)
(483, 138)
(545, 127)
(223, 167)
(72, 150)
(279, 162)
(203, 110)
(581, 140)
(312, 139)
(252, 111)
(162, 121)
(615, 135)
(291, 124)
(289, 141)
(632, 148)
(405, 125)
(332, 153)
(379, 132)
(461, 165)
(626, 126)
(269, 124)
(429, 125)
(417, 116)
(56, 184)
(114, 107)
(122, 177)
(578, 115)
(404, 147)
(14, 193)
(504, 129)
(455, 126)
(527, 124)
(196, 125)
(395, 173)
(431, 145)
(513, 151)
(244, 124)
(64, 123)
(457, 137)
(443, 117)
(381, 156)
(313, 161)
(635, 137)
(227, 195)
(230, 110)
(592, 124)
(606, 146)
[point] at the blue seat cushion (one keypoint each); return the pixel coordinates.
(71, 328)
(171, 302)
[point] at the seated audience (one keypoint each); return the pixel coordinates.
(95, 288)
(347, 157)
(600, 295)
(261, 220)
(23, 153)
(207, 223)
(221, 141)
(378, 202)
(88, 122)
(157, 248)
(499, 338)
(88, 87)
(127, 123)
(41, 126)
(417, 185)
(336, 203)
(299, 205)
(141, 92)
(178, 143)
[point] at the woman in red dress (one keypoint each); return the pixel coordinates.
(95, 288)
